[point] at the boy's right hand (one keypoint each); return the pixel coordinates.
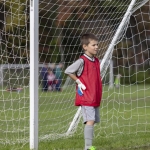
(81, 87)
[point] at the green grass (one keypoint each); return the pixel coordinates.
(124, 125)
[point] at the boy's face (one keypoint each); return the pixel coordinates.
(92, 48)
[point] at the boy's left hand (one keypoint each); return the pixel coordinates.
(81, 87)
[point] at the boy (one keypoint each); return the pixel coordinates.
(51, 80)
(86, 73)
(58, 74)
(117, 80)
(44, 73)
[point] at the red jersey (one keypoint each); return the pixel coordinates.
(91, 78)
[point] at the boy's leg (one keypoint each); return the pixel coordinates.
(88, 135)
(58, 84)
(89, 119)
(45, 85)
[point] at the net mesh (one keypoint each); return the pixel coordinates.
(124, 108)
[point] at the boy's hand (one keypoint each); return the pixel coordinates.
(81, 87)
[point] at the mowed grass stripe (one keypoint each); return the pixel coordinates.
(124, 112)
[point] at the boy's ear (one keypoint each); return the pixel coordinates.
(84, 46)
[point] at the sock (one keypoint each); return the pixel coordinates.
(88, 135)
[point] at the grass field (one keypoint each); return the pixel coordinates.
(125, 120)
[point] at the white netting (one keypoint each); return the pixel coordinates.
(61, 24)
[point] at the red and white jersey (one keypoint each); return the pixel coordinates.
(91, 78)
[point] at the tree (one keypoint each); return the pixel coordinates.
(14, 31)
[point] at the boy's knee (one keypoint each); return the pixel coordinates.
(91, 122)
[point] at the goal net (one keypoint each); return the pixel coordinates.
(123, 29)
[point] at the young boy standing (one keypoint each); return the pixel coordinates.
(86, 73)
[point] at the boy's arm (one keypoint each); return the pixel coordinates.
(81, 86)
(73, 76)
(75, 67)
(72, 69)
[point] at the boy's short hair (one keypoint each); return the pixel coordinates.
(85, 38)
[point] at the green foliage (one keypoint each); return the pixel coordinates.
(141, 77)
(15, 14)
(48, 34)
(72, 49)
(51, 28)
(130, 76)
(14, 45)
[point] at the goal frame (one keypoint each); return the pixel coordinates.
(34, 52)
(34, 41)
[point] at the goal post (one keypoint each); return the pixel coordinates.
(34, 61)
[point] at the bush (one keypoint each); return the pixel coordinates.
(132, 77)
